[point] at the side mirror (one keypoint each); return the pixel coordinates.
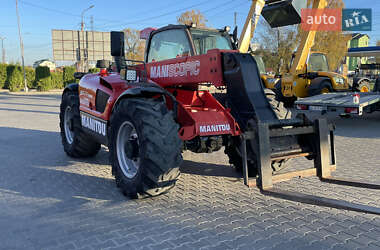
(235, 36)
(117, 44)
(79, 75)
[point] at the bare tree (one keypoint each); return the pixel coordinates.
(134, 46)
(278, 45)
(192, 16)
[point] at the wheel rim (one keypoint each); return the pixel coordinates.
(364, 89)
(325, 91)
(127, 149)
(68, 124)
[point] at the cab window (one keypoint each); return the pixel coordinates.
(318, 62)
(205, 40)
(168, 44)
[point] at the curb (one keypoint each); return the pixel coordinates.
(32, 92)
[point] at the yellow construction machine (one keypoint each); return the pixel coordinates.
(309, 73)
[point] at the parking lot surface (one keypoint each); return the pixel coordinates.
(51, 201)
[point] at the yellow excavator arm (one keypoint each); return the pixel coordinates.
(307, 42)
(250, 25)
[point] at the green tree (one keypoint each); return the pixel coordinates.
(30, 77)
(94, 70)
(3, 75)
(43, 78)
(68, 75)
(192, 17)
(15, 78)
(57, 80)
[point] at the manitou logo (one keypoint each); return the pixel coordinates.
(94, 125)
(175, 70)
(214, 128)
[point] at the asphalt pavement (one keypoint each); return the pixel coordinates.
(51, 201)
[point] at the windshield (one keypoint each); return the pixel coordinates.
(318, 62)
(260, 64)
(205, 40)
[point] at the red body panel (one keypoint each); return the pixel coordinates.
(88, 86)
(199, 113)
(186, 71)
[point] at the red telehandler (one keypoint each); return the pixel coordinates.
(148, 112)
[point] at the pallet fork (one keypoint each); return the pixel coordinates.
(323, 168)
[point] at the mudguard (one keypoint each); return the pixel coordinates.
(72, 87)
(318, 80)
(147, 90)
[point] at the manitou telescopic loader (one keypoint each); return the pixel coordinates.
(148, 112)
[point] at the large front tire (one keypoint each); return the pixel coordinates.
(288, 102)
(75, 142)
(145, 149)
(364, 86)
(323, 87)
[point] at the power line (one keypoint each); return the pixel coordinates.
(139, 13)
(228, 10)
(49, 9)
(162, 15)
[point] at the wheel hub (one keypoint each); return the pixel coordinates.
(69, 125)
(127, 149)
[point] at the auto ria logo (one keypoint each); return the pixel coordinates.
(336, 19)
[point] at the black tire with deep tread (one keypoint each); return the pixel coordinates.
(315, 89)
(83, 145)
(159, 151)
(363, 84)
(287, 101)
(232, 149)
(376, 87)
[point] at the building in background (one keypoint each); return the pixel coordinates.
(45, 63)
(358, 40)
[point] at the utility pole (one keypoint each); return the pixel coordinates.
(82, 34)
(92, 23)
(235, 19)
(2, 48)
(21, 47)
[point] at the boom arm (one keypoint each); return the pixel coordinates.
(250, 26)
(307, 41)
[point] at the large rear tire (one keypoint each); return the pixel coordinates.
(75, 142)
(232, 149)
(145, 149)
